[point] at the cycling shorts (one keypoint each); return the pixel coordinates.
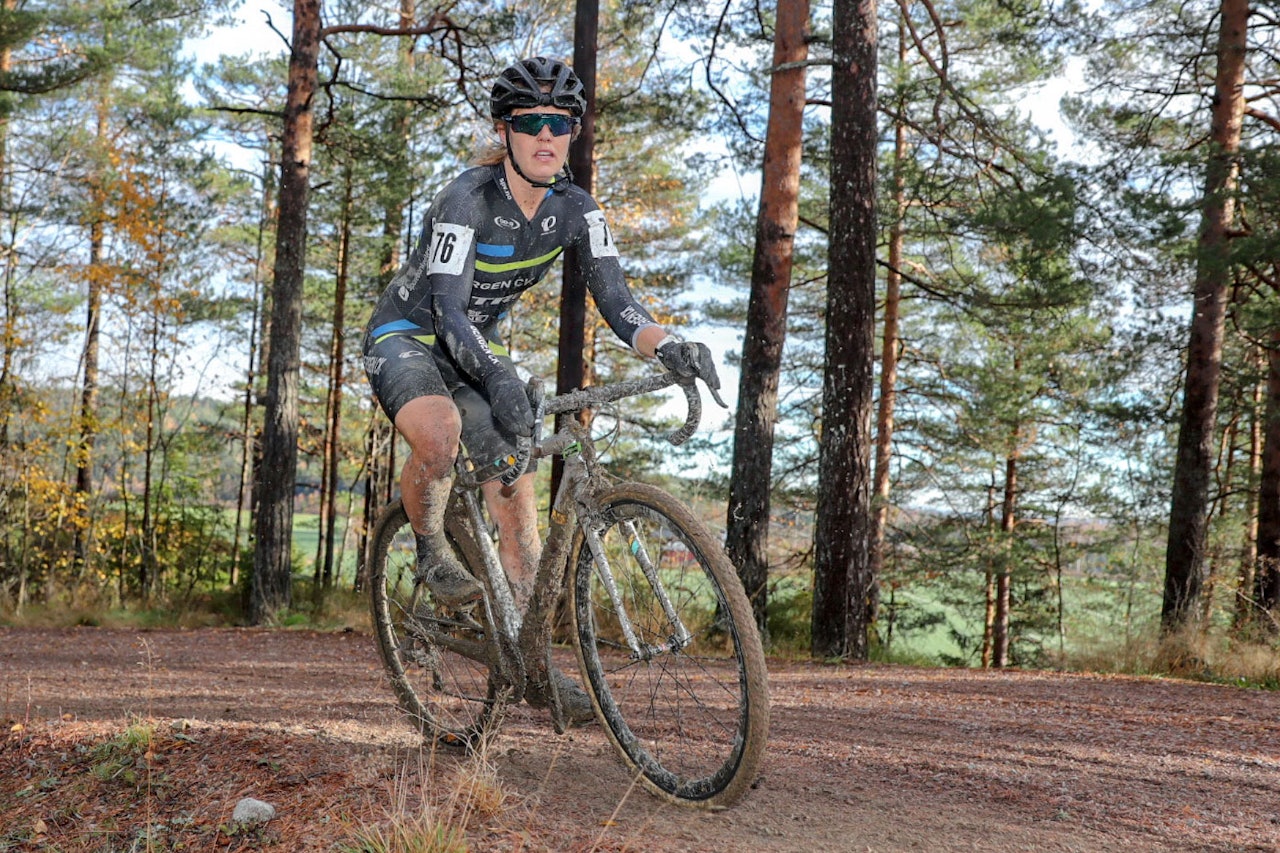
(402, 368)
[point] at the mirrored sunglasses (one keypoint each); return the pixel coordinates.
(533, 123)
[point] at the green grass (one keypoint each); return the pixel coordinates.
(1108, 626)
(124, 757)
(306, 537)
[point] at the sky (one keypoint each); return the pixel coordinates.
(251, 35)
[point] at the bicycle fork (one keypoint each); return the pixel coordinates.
(680, 636)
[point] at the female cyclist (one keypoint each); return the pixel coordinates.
(433, 353)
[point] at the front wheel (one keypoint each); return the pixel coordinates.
(685, 701)
(436, 658)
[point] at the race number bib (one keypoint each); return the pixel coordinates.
(602, 245)
(450, 247)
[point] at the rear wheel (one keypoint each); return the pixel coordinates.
(690, 710)
(436, 658)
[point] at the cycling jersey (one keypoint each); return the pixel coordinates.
(478, 253)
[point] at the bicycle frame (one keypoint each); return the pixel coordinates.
(524, 645)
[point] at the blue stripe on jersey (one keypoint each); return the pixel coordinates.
(495, 251)
(395, 326)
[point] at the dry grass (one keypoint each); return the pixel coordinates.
(1253, 663)
(425, 819)
(1191, 654)
(337, 609)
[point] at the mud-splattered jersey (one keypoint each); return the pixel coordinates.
(478, 254)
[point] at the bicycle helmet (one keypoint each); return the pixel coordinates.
(537, 82)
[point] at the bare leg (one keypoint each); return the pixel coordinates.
(431, 426)
(514, 510)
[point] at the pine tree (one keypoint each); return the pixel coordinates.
(842, 529)
(747, 539)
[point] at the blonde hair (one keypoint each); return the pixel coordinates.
(492, 151)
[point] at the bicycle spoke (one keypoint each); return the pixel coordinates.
(681, 708)
(665, 635)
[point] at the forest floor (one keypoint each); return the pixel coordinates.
(120, 740)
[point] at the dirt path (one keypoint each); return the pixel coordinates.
(861, 758)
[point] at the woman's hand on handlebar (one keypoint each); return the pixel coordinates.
(510, 403)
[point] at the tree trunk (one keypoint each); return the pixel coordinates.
(396, 191)
(1003, 597)
(1219, 510)
(1266, 589)
(88, 421)
(274, 523)
(747, 527)
(379, 453)
(842, 530)
(1243, 611)
(989, 581)
(380, 440)
(333, 400)
(148, 564)
(570, 367)
(247, 430)
(888, 358)
(1185, 553)
(9, 333)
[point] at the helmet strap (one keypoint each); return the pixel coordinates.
(554, 184)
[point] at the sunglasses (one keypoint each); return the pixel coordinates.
(533, 123)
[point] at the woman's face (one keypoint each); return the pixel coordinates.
(538, 150)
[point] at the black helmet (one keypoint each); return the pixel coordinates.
(522, 85)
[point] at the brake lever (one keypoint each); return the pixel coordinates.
(521, 466)
(538, 400)
(715, 395)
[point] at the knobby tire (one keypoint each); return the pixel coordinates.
(691, 723)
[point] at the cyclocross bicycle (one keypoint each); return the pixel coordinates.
(665, 638)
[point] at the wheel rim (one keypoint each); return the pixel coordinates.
(682, 716)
